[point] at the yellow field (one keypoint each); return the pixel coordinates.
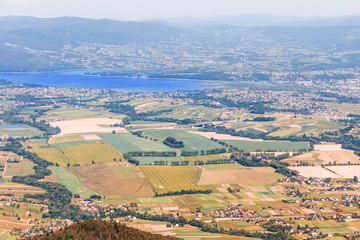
(285, 132)
(87, 153)
(203, 158)
(53, 155)
(172, 178)
(79, 154)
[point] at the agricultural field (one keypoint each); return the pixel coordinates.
(21, 133)
(19, 189)
(346, 171)
(310, 158)
(218, 136)
(339, 156)
(17, 215)
(126, 142)
(192, 142)
(200, 112)
(143, 105)
(91, 153)
(173, 178)
(316, 171)
(66, 113)
(111, 181)
(325, 154)
(53, 155)
(88, 126)
(35, 143)
(65, 139)
(241, 176)
(71, 182)
(23, 168)
(79, 154)
(273, 146)
(295, 126)
(217, 167)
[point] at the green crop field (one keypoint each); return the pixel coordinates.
(88, 153)
(21, 133)
(71, 182)
(75, 143)
(53, 155)
(173, 178)
(23, 168)
(278, 146)
(126, 142)
(75, 114)
(191, 141)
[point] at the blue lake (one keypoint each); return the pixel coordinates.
(77, 79)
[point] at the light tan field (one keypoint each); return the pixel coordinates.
(325, 154)
(309, 157)
(340, 156)
(346, 171)
(214, 135)
(144, 106)
(64, 139)
(101, 179)
(241, 176)
(316, 171)
(327, 147)
(19, 189)
(89, 125)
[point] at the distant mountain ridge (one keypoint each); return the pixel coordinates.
(185, 50)
(263, 20)
(52, 33)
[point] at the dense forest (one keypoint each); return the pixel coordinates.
(99, 230)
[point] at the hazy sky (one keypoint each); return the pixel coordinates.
(147, 9)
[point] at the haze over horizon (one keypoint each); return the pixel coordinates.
(160, 9)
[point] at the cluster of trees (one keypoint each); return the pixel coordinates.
(213, 228)
(248, 160)
(189, 153)
(172, 163)
(151, 154)
(95, 196)
(179, 163)
(98, 230)
(203, 152)
(232, 132)
(172, 142)
(217, 161)
(182, 192)
(263, 119)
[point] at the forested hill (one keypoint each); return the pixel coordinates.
(99, 230)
